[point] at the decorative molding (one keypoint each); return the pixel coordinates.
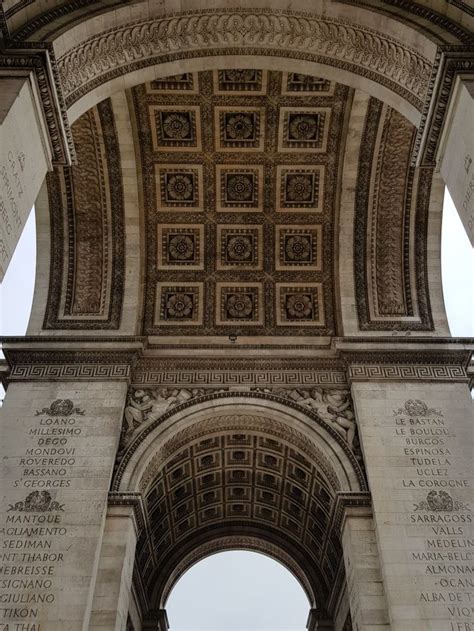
(407, 372)
(451, 62)
(40, 60)
(87, 235)
(69, 365)
(79, 372)
(237, 372)
(238, 542)
(427, 13)
(361, 500)
(333, 42)
(135, 500)
(249, 397)
(463, 6)
(391, 285)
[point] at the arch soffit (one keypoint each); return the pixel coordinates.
(211, 414)
(392, 62)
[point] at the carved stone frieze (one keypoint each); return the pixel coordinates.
(324, 40)
(145, 406)
(390, 227)
(70, 365)
(87, 241)
(332, 406)
(241, 373)
(408, 366)
(403, 372)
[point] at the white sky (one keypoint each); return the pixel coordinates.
(245, 590)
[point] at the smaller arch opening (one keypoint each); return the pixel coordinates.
(238, 590)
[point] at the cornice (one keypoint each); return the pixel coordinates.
(39, 59)
(345, 360)
(451, 61)
(134, 500)
(360, 501)
(37, 359)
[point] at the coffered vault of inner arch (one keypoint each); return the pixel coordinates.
(233, 476)
(240, 175)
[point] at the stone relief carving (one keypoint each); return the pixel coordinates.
(335, 42)
(332, 406)
(144, 406)
(416, 407)
(442, 501)
(61, 407)
(86, 206)
(37, 502)
(391, 210)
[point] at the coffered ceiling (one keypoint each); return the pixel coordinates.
(253, 203)
(239, 175)
(241, 481)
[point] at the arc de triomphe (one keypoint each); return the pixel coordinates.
(238, 337)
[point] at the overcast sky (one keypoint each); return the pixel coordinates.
(243, 590)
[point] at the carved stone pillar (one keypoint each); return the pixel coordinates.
(456, 153)
(117, 556)
(365, 587)
(61, 424)
(416, 431)
(33, 137)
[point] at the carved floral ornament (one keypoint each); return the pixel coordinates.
(320, 39)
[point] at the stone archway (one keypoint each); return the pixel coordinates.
(138, 286)
(240, 471)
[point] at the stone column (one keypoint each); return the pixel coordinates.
(117, 556)
(368, 605)
(416, 428)
(456, 153)
(34, 136)
(61, 425)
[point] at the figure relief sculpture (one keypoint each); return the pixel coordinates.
(332, 406)
(146, 406)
